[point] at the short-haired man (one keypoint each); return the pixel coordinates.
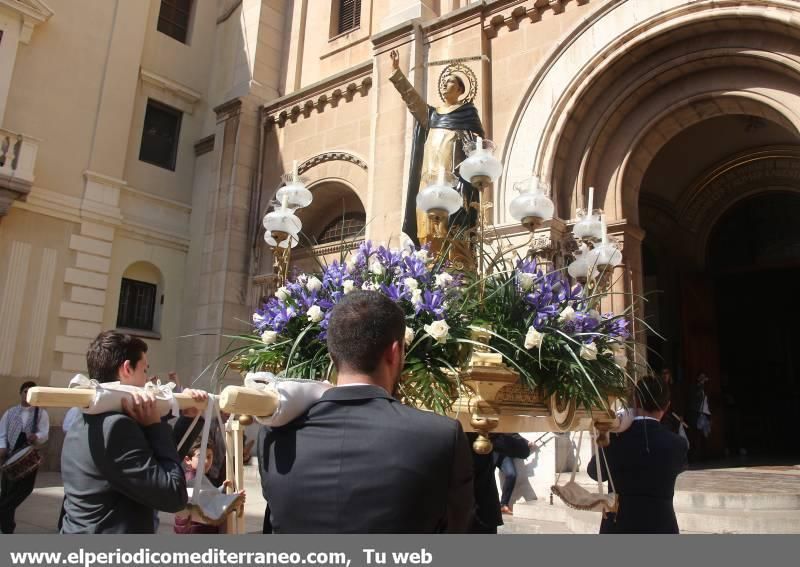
(359, 461)
(117, 467)
(20, 427)
(644, 462)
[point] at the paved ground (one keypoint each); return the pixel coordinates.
(39, 513)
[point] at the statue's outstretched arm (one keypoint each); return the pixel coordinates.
(411, 97)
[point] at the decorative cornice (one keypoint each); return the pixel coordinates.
(228, 110)
(32, 13)
(104, 179)
(394, 34)
(735, 178)
(185, 94)
(331, 156)
(510, 13)
(330, 91)
(204, 145)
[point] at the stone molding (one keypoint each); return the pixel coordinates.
(316, 97)
(32, 12)
(699, 207)
(331, 156)
(228, 110)
(509, 15)
(204, 145)
(185, 96)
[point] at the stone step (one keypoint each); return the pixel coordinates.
(740, 521)
(692, 520)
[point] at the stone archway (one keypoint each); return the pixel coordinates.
(652, 58)
(674, 111)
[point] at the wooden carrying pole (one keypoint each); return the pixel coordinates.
(48, 397)
(245, 401)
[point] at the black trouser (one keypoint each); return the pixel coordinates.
(12, 494)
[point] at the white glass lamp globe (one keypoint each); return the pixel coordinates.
(604, 255)
(295, 194)
(282, 220)
(532, 206)
(589, 226)
(439, 198)
(481, 167)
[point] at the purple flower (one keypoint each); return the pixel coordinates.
(432, 302)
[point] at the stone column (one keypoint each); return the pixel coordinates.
(627, 284)
(221, 302)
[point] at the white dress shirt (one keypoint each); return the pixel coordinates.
(42, 428)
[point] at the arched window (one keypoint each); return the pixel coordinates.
(140, 298)
(347, 226)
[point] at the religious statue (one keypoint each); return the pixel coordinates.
(439, 136)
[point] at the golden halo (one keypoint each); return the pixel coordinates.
(465, 73)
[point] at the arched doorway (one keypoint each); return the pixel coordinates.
(681, 112)
(720, 260)
(754, 263)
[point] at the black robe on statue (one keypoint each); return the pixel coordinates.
(463, 118)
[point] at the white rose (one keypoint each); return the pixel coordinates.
(282, 293)
(534, 338)
(348, 286)
(409, 336)
(314, 284)
(438, 330)
(269, 337)
(302, 279)
(526, 280)
(568, 314)
(410, 283)
(377, 268)
(350, 264)
(257, 319)
(589, 352)
(443, 280)
(421, 255)
(315, 314)
(369, 286)
(416, 296)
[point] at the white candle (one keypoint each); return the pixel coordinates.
(591, 201)
(603, 228)
(479, 143)
(285, 202)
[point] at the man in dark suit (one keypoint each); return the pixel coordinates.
(118, 468)
(359, 461)
(644, 462)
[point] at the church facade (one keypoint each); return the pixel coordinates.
(149, 153)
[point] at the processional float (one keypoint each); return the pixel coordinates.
(490, 395)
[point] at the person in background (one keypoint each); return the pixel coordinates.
(21, 426)
(644, 462)
(183, 523)
(507, 447)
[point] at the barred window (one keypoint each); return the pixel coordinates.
(162, 127)
(348, 226)
(349, 15)
(137, 305)
(173, 18)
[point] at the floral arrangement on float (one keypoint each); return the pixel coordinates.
(546, 329)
